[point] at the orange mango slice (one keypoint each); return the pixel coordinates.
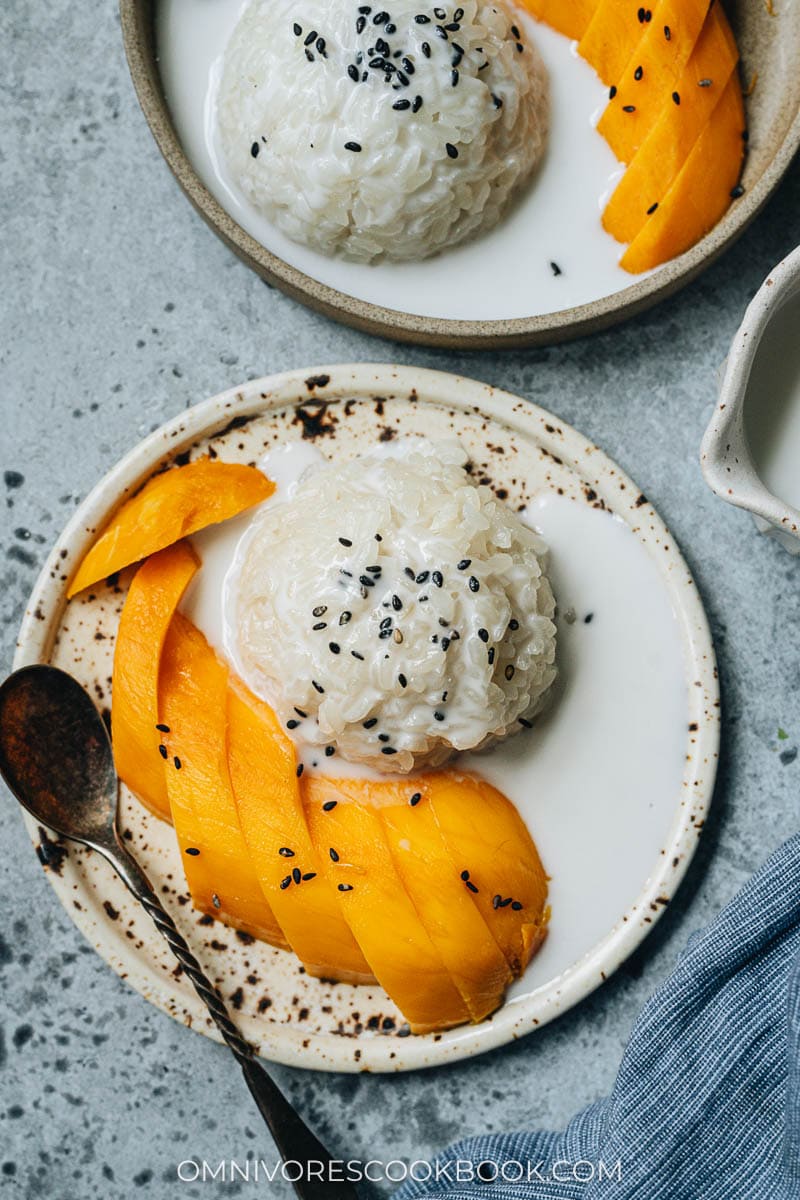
(152, 599)
(222, 880)
(170, 506)
(700, 194)
(570, 17)
(279, 848)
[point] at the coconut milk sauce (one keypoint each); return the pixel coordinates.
(772, 404)
(569, 258)
(616, 722)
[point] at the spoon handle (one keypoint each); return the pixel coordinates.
(296, 1143)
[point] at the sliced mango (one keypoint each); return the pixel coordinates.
(193, 686)
(614, 32)
(443, 898)
(653, 72)
(484, 831)
(670, 141)
(152, 599)
(570, 18)
(279, 848)
(700, 194)
(361, 873)
(171, 506)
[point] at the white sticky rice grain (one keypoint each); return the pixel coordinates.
(393, 610)
(390, 133)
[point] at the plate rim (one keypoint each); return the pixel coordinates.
(138, 33)
(284, 1044)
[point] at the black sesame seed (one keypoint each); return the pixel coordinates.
(525, 723)
(384, 634)
(319, 625)
(299, 770)
(638, 73)
(423, 577)
(388, 750)
(401, 105)
(629, 108)
(408, 571)
(490, 655)
(496, 901)
(292, 724)
(310, 58)
(298, 29)
(704, 83)
(453, 83)
(452, 27)
(515, 33)
(361, 24)
(318, 687)
(344, 617)
(370, 723)
(382, 47)
(375, 569)
(333, 854)
(312, 37)
(345, 887)
(162, 750)
(334, 647)
(676, 97)
(445, 643)
(515, 904)
(465, 875)
(652, 209)
(474, 586)
(296, 874)
(163, 728)
(509, 671)
(555, 268)
(402, 78)
(285, 883)
(513, 624)
(380, 18)
(321, 46)
(330, 751)
(286, 852)
(355, 654)
(391, 28)
(465, 562)
(417, 105)
(365, 581)
(452, 152)
(347, 574)
(309, 875)
(667, 32)
(177, 763)
(423, 599)
(437, 578)
(505, 903)
(612, 91)
(254, 149)
(401, 679)
(415, 799)
(329, 805)
(483, 634)
(366, 9)
(319, 611)
(352, 71)
(422, 19)
(737, 191)
(438, 716)
(459, 13)
(193, 851)
(520, 47)
(439, 13)
(426, 50)
(397, 603)
(640, 14)
(498, 103)
(408, 66)
(354, 146)
(471, 886)
(383, 737)
(648, 16)
(386, 623)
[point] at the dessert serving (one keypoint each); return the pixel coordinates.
(413, 704)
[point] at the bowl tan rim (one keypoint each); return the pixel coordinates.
(286, 1044)
(136, 17)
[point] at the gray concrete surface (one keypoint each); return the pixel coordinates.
(118, 309)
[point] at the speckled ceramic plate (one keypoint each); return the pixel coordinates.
(615, 856)
(517, 300)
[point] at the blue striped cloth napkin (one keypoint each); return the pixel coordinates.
(706, 1105)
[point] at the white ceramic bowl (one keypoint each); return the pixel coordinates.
(725, 454)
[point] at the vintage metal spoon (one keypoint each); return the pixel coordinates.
(55, 756)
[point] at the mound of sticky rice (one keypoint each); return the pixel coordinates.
(394, 613)
(373, 132)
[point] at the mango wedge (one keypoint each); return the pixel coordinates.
(193, 686)
(361, 873)
(570, 17)
(612, 35)
(152, 599)
(653, 72)
(701, 192)
(279, 848)
(671, 139)
(171, 506)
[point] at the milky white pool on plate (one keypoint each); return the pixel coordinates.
(504, 274)
(614, 781)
